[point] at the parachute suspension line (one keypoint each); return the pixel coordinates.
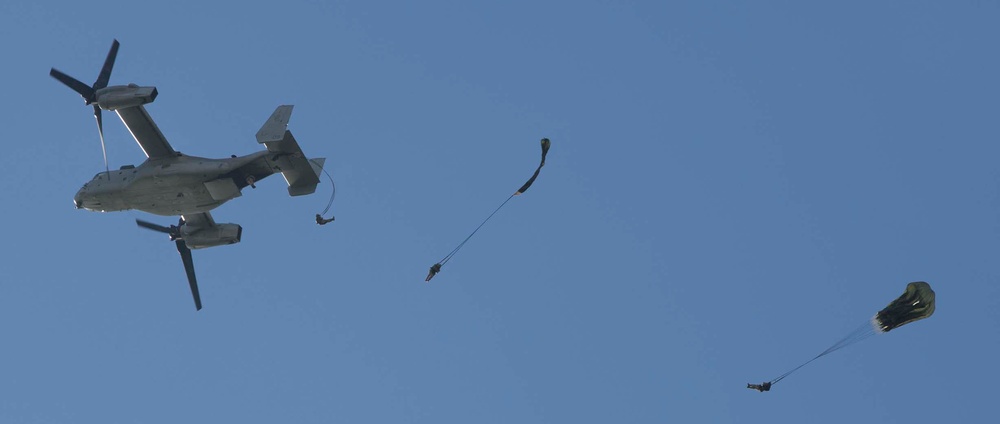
(863, 332)
(455, 250)
(319, 217)
(332, 194)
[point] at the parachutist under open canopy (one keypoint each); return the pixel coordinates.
(545, 151)
(916, 303)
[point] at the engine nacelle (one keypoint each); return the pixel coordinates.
(122, 96)
(218, 235)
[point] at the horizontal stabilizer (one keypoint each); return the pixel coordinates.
(301, 174)
(317, 165)
(302, 185)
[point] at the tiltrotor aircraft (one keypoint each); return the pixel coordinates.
(171, 183)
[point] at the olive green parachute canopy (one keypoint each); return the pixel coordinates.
(545, 151)
(916, 303)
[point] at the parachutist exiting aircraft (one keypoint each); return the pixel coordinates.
(171, 183)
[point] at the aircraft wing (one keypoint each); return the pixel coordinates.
(198, 220)
(146, 133)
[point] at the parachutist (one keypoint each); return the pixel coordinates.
(323, 221)
(916, 303)
(545, 144)
(436, 268)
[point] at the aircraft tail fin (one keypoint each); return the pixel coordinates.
(274, 129)
(301, 173)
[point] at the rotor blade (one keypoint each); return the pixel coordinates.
(189, 268)
(75, 84)
(152, 226)
(102, 79)
(100, 130)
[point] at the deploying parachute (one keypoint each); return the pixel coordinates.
(545, 150)
(916, 303)
(436, 268)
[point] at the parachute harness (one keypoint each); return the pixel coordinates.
(320, 216)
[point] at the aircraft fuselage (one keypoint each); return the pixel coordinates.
(174, 185)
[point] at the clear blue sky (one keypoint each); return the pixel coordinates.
(731, 189)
